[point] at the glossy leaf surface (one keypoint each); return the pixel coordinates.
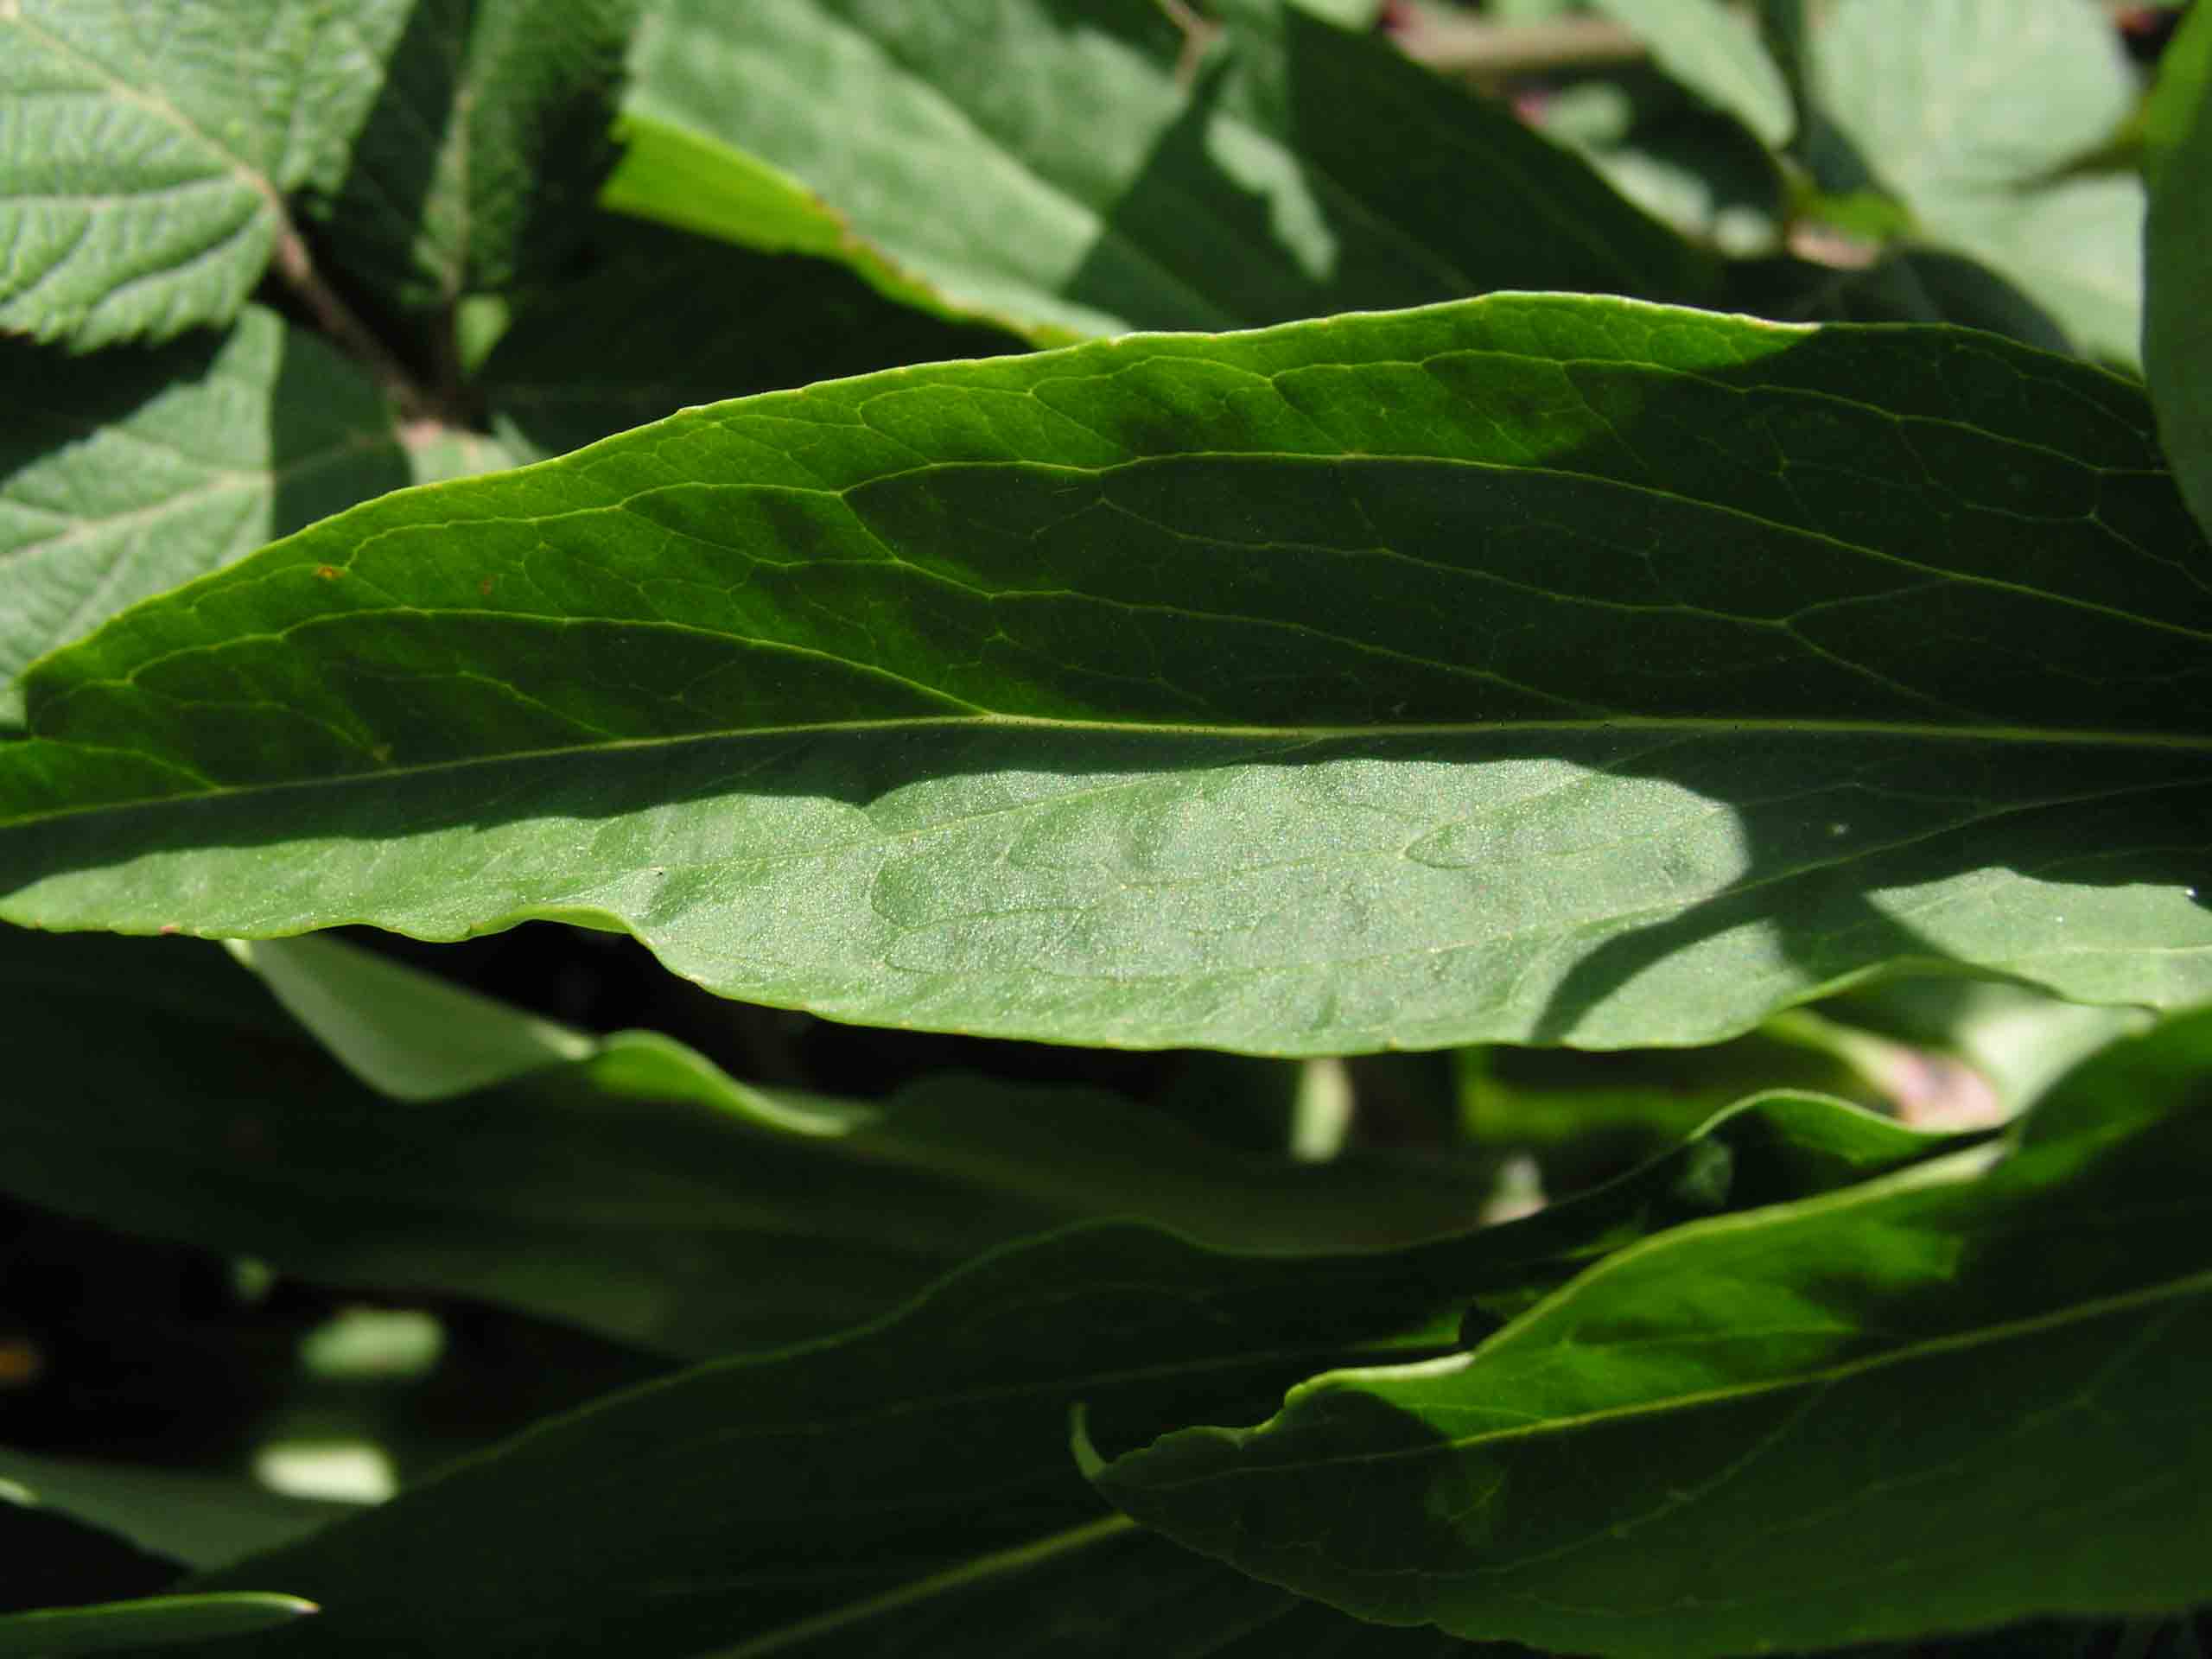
(1552, 668)
(1958, 1396)
(1079, 165)
(908, 1485)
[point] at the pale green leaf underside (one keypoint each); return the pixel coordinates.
(909, 1484)
(1529, 667)
(146, 148)
(128, 475)
(1073, 166)
(1942, 1400)
(1971, 110)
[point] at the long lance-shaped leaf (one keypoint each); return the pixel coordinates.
(1531, 667)
(623, 1184)
(161, 1622)
(908, 1489)
(1925, 1403)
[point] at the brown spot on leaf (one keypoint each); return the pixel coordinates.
(328, 572)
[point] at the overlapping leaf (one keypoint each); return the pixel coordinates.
(476, 169)
(622, 1183)
(665, 320)
(1083, 166)
(1973, 111)
(1943, 1400)
(1529, 667)
(128, 475)
(908, 1489)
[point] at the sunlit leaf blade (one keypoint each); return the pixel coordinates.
(666, 320)
(908, 1486)
(1718, 55)
(146, 146)
(476, 166)
(623, 1184)
(1972, 110)
(155, 1622)
(124, 475)
(689, 180)
(1531, 667)
(1947, 1399)
(2176, 321)
(1079, 165)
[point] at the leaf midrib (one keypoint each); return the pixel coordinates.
(1289, 737)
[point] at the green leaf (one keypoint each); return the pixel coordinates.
(1532, 667)
(687, 181)
(1908, 284)
(665, 320)
(156, 1621)
(489, 139)
(1074, 165)
(129, 473)
(2177, 329)
(911, 1482)
(623, 1184)
(53, 1556)
(1959, 1396)
(150, 144)
(1970, 111)
(202, 1519)
(1718, 55)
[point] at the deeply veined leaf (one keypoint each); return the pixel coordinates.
(147, 146)
(154, 1622)
(1972, 110)
(1083, 167)
(1957, 1396)
(1531, 667)
(911, 1484)
(131, 472)
(2176, 323)
(622, 1183)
